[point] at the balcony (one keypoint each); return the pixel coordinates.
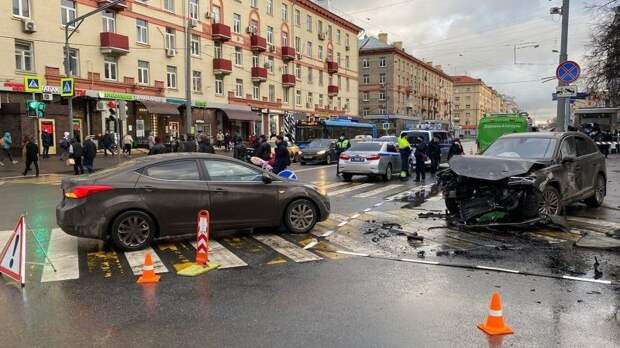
(258, 43)
(220, 32)
(118, 7)
(332, 67)
(288, 53)
(288, 80)
(222, 66)
(114, 44)
(332, 90)
(259, 74)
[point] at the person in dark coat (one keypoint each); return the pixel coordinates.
(189, 145)
(421, 154)
(263, 151)
(107, 143)
(456, 149)
(204, 145)
(32, 156)
(46, 142)
(282, 158)
(90, 151)
(76, 152)
(434, 153)
(227, 140)
(158, 148)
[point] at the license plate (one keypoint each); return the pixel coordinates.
(357, 159)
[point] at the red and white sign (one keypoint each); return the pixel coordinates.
(202, 238)
(13, 256)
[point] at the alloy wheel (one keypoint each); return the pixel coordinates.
(133, 231)
(302, 216)
(600, 190)
(549, 203)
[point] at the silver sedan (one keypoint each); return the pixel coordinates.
(370, 159)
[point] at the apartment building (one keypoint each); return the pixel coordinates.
(472, 100)
(256, 65)
(400, 89)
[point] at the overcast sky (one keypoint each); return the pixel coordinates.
(477, 38)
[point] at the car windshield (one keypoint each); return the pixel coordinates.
(319, 144)
(532, 148)
(366, 147)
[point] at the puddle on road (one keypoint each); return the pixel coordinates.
(418, 197)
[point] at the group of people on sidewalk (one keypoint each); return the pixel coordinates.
(187, 143)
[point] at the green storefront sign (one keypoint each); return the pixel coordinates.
(195, 103)
(117, 96)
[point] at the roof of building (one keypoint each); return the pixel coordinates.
(328, 14)
(372, 43)
(462, 79)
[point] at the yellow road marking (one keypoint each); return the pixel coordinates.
(277, 261)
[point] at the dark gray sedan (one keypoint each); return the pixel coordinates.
(160, 196)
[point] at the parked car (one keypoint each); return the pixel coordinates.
(371, 159)
(159, 196)
(293, 150)
(445, 141)
(319, 151)
(525, 176)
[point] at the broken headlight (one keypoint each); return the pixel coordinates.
(521, 181)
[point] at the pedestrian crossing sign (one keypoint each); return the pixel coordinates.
(33, 84)
(67, 87)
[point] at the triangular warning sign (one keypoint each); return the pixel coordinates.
(34, 84)
(13, 256)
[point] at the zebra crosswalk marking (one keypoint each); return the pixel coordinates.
(222, 256)
(286, 248)
(63, 253)
(136, 261)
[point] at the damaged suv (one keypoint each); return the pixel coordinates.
(524, 177)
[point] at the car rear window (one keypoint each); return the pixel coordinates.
(366, 147)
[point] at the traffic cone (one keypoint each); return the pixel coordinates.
(148, 273)
(495, 320)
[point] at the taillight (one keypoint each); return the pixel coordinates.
(84, 191)
(373, 157)
(344, 156)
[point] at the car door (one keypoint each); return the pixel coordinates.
(239, 197)
(394, 157)
(570, 172)
(587, 159)
(174, 194)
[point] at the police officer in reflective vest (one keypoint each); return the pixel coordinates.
(342, 145)
(405, 151)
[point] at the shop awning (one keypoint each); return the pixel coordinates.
(236, 112)
(160, 108)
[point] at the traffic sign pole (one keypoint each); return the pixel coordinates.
(561, 110)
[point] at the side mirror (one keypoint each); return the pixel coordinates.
(267, 179)
(568, 159)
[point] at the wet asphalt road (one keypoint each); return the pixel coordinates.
(339, 301)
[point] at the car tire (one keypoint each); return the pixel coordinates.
(328, 159)
(301, 216)
(549, 202)
(132, 230)
(388, 173)
(600, 190)
(347, 176)
(451, 205)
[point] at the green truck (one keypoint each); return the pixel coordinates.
(493, 126)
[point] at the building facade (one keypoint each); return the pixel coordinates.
(398, 88)
(472, 100)
(255, 65)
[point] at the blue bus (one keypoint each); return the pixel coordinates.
(332, 129)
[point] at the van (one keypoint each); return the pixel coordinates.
(494, 126)
(445, 141)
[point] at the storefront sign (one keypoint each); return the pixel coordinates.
(195, 103)
(199, 104)
(129, 97)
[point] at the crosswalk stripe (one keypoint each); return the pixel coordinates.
(222, 256)
(349, 189)
(287, 248)
(377, 191)
(136, 261)
(329, 186)
(63, 253)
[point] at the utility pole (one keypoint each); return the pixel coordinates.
(188, 70)
(561, 121)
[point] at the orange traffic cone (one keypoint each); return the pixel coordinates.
(148, 273)
(495, 321)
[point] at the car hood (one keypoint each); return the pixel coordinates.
(490, 168)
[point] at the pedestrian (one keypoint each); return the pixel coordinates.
(46, 142)
(219, 139)
(404, 148)
(90, 152)
(282, 157)
(227, 141)
(158, 148)
(252, 140)
(7, 143)
(151, 140)
(456, 149)
(64, 144)
(263, 151)
(342, 145)
(127, 144)
(189, 145)
(76, 152)
(31, 151)
(107, 143)
(434, 153)
(420, 160)
(204, 145)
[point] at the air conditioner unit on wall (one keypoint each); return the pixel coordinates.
(208, 15)
(28, 26)
(193, 23)
(48, 96)
(250, 30)
(272, 48)
(101, 105)
(171, 52)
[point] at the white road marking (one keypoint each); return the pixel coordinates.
(63, 252)
(355, 216)
(329, 186)
(287, 248)
(377, 191)
(222, 256)
(354, 245)
(367, 210)
(343, 223)
(4, 237)
(314, 168)
(349, 189)
(136, 261)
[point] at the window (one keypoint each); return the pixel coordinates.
(348, 85)
(229, 171)
(24, 56)
(219, 86)
(339, 81)
(346, 62)
(170, 39)
(366, 79)
(347, 40)
(142, 30)
(320, 78)
(297, 97)
(284, 12)
(195, 45)
(256, 91)
(298, 45)
(174, 170)
(237, 23)
(21, 8)
(381, 95)
(320, 100)
(217, 50)
(254, 3)
(171, 76)
(238, 56)
(270, 7)
(319, 26)
(272, 93)
(271, 64)
(309, 49)
(381, 111)
(585, 147)
(284, 39)
(297, 18)
(216, 14)
(143, 72)
(193, 9)
(239, 88)
(382, 78)
(169, 5)
(255, 61)
(110, 66)
(109, 21)
(298, 72)
(67, 11)
(74, 62)
(320, 52)
(366, 94)
(338, 59)
(196, 81)
(285, 94)
(309, 23)
(365, 112)
(338, 35)
(309, 100)
(310, 75)
(329, 32)
(382, 62)
(270, 35)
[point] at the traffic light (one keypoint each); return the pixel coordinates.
(35, 108)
